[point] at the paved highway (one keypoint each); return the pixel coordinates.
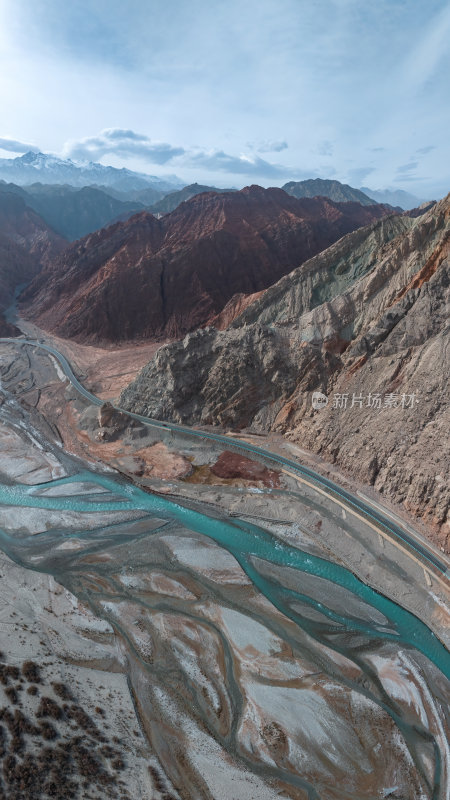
(353, 503)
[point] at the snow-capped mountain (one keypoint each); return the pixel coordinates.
(45, 168)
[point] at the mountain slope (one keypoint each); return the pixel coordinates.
(317, 187)
(71, 212)
(171, 201)
(366, 323)
(148, 277)
(76, 214)
(26, 243)
(147, 196)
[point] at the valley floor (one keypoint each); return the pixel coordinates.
(214, 652)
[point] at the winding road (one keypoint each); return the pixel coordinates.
(415, 546)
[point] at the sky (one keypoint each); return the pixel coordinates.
(228, 93)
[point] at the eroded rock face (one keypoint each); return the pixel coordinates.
(112, 423)
(366, 318)
(152, 277)
(235, 378)
(109, 417)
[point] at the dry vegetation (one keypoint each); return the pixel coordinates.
(57, 751)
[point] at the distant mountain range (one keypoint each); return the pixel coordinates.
(127, 185)
(74, 213)
(150, 277)
(78, 199)
(45, 168)
(71, 212)
(339, 192)
(393, 197)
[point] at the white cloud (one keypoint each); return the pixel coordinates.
(126, 143)
(423, 151)
(14, 146)
(244, 164)
(121, 142)
(270, 146)
(405, 169)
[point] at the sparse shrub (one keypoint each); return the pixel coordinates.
(49, 708)
(81, 766)
(62, 691)
(48, 731)
(30, 671)
(11, 694)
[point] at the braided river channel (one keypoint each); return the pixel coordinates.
(380, 673)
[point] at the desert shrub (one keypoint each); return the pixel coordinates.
(11, 694)
(30, 671)
(49, 708)
(48, 731)
(62, 691)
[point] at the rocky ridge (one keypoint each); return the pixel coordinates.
(151, 277)
(365, 323)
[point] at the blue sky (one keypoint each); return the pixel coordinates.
(229, 92)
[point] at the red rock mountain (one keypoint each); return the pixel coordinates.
(26, 243)
(150, 277)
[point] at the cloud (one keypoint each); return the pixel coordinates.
(121, 134)
(215, 75)
(219, 161)
(409, 179)
(272, 147)
(358, 174)
(123, 143)
(14, 146)
(404, 169)
(127, 143)
(424, 150)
